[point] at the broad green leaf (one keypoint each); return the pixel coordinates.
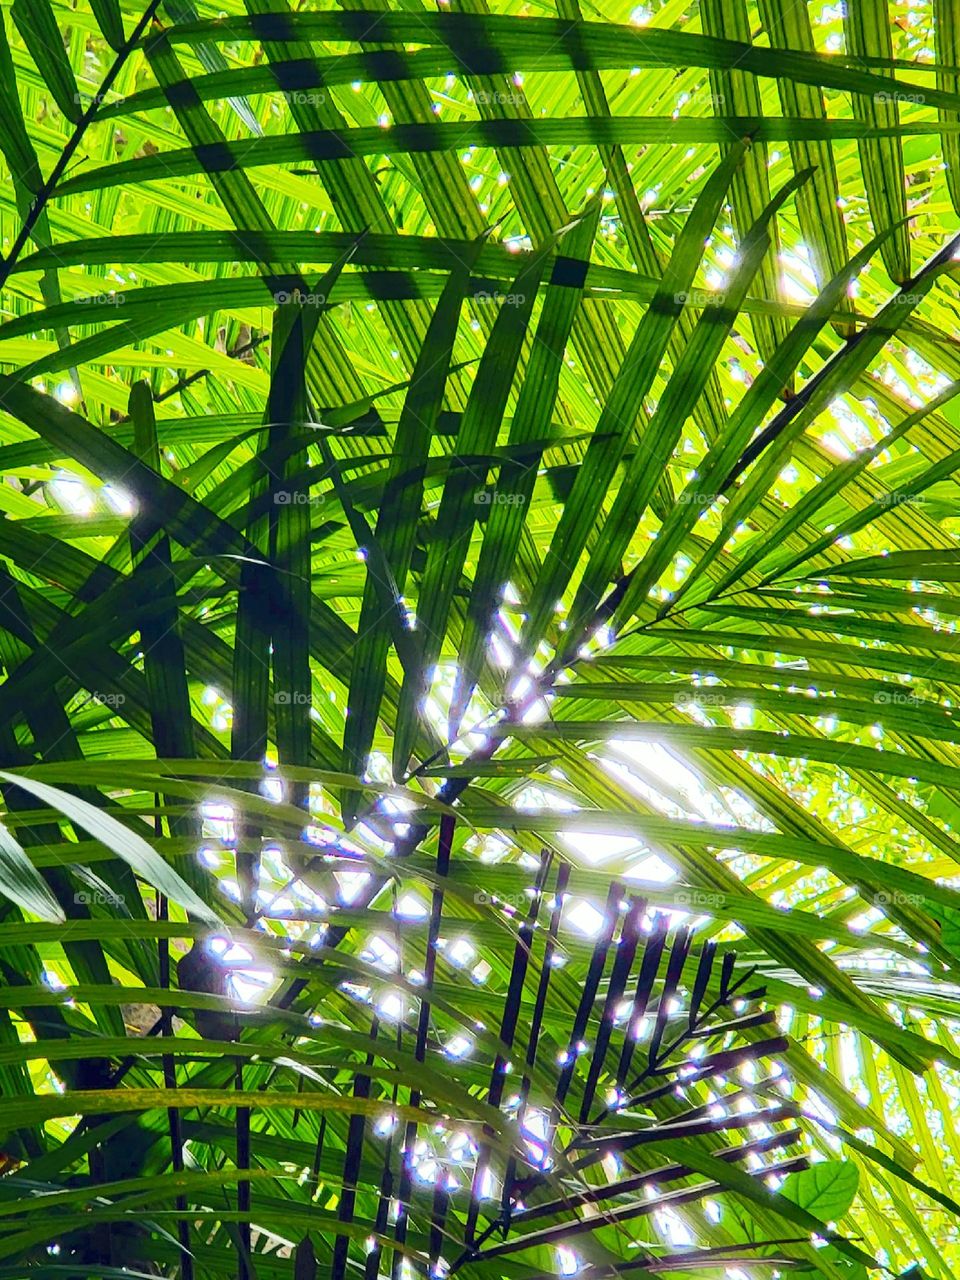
(38, 26)
(827, 1189)
(121, 841)
(22, 883)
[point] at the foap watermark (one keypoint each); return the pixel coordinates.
(699, 298)
(292, 698)
(897, 698)
(700, 698)
(98, 897)
(87, 100)
(304, 97)
(703, 98)
(894, 898)
(297, 498)
(298, 298)
(110, 299)
(499, 98)
(897, 95)
(900, 500)
(694, 498)
(505, 299)
(494, 498)
(109, 699)
(701, 898)
(512, 901)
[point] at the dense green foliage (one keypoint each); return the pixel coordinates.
(479, 552)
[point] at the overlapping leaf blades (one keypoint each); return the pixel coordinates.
(607, 422)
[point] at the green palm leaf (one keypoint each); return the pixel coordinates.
(478, 616)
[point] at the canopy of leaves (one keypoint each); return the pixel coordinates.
(479, 563)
